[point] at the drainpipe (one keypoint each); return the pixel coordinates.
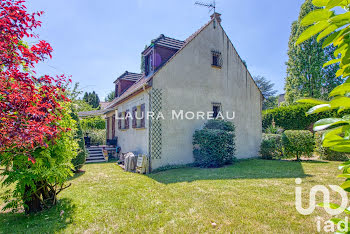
(149, 127)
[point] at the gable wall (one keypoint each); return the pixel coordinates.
(190, 83)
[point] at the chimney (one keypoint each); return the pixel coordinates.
(217, 17)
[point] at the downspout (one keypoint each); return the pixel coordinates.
(149, 126)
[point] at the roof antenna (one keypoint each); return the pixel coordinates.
(211, 6)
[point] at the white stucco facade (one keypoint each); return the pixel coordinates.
(189, 82)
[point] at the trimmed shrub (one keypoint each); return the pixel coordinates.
(271, 146)
(214, 147)
(298, 143)
(80, 159)
(326, 153)
(294, 117)
(220, 124)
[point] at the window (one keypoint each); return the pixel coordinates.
(216, 109)
(138, 114)
(217, 60)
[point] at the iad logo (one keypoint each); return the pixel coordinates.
(312, 204)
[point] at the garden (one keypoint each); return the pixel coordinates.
(46, 186)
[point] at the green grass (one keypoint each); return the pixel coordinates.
(250, 196)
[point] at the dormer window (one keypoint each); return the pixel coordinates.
(216, 59)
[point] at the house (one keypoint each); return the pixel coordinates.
(203, 74)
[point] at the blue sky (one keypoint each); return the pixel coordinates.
(97, 40)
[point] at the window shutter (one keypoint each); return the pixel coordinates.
(126, 119)
(107, 132)
(119, 120)
(134, 123)
(113, 126)
(143, 116)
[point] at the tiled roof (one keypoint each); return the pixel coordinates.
(103, 105)
(135, 87)
(161, 40)
(168, 42)
(93, 113)
(129, 76)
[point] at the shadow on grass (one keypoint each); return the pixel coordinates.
(49, 221)
(247, 169)
(76, 175)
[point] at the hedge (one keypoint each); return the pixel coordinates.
(93, 123)
(271, 146)
(294, 117)
(326, 153)
(214, 147)
(298, 143)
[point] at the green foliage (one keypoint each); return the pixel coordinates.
(326, 153)
(214, 145)
(334, 30)
(265, 86)
(270, 103)
(80, 159)
(294, 117)
(92, 99)
(220, 124)
(93, 123)
(272, 129)
(271, 146)
(37, 184)
(98, 136)
(297, 143)
(110, 97)
(306, 76)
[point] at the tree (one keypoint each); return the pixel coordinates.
(334, 30)
(306, 76)
(36, 129)
(266, 88)
(110, 97)
(29, 106)
(270, 103)
(92, 99)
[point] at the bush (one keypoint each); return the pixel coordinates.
(220, 125)
(274, 130)
(326, 153)
(36, 185)
(294, 117)
(98, 137)
(80, 159)
(298, 143)
(93, 123)
(271, 146)
(214, 147)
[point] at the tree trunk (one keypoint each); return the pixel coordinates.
(31, 201)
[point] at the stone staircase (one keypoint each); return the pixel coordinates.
(95, 155)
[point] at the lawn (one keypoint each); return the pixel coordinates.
(250, 196)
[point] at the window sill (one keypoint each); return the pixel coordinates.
(123, 129)
(217, 67)
(140, 128)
